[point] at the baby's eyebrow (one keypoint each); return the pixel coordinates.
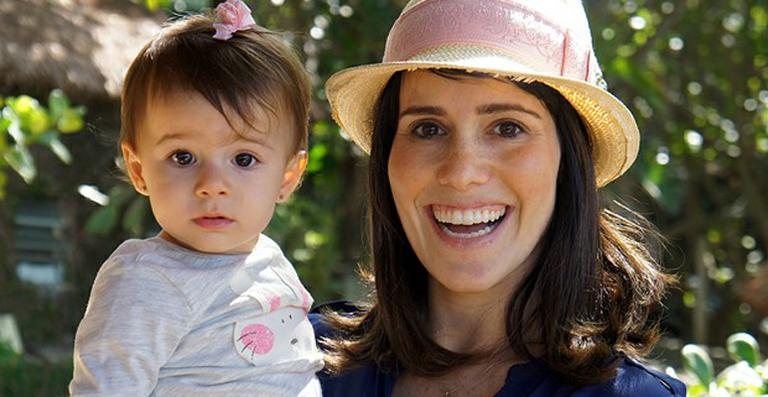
(258, 137)
(171, 136)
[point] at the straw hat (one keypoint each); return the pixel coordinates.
(543, 40)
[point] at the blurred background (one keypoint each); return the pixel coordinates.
(693, 72)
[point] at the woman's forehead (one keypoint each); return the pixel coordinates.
(423, 87)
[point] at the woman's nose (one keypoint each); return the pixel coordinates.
(211, 182)
(464, 164)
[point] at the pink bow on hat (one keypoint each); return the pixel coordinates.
(232, 16)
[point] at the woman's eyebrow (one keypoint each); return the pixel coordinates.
(505, 107)
(423, 110)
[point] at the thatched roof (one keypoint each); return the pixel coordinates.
(81, 46)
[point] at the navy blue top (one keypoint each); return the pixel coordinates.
(532, 379)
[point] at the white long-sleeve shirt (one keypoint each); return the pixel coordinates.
(167, 321)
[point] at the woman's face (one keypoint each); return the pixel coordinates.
(473, 171)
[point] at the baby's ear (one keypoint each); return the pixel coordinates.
(292, 177)
(133, 167)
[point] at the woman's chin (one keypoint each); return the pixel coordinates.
(467, 283)
(485, 277)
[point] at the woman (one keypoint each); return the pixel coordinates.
(496, 271)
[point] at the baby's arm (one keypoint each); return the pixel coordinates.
(133, 323)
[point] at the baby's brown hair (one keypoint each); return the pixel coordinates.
(254, 67)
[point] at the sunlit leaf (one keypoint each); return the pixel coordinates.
(154, 5)
(51, 139)
(320, 129)
(697, 361)
(33, 118)
(4, 124)
(19, 158)
(57, 103)
(743, 346)
(71, 121)
(316, 156)
(60, 151)
(741, 380)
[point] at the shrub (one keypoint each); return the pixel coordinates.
(748, 376)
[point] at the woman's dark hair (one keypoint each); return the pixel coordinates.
(591, 296)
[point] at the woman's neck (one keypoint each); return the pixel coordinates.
(467, 322)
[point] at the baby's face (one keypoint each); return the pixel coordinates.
(212, 189)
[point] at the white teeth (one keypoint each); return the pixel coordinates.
(481, 232)
(474, 216)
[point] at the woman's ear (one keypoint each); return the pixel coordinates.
(134, 169)
(292, 176)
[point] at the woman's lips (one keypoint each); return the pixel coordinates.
(468, 224)
(213, 222)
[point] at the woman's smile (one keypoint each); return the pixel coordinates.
(467, 225)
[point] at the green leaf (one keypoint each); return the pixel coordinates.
(34, 119)
(19, 158)
(71, 121)
(57, 103)
(51, 139)
(316, 156)
(14, 128)
(741, 379)
(7, 354)
(4, 124)
(133, 219)
(121, 194)
(154, 5)
(61, 151)
(697, 361)
(103, 220)
(3, 181)
(743, 347)
(321, 129)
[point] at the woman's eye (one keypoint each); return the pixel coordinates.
(427, 130)
(183, 158)
(245, 160)
(508, 129)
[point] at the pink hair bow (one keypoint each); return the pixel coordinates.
(232, 16)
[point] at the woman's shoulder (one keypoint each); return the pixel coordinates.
(632, 379)
(634, 375)
(530, 379)
(636, 379)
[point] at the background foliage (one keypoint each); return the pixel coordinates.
(693, 73)
(25, 122)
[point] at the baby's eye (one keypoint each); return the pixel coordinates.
(508, 129)
(427, 130)
(245, 160)
(183, 158)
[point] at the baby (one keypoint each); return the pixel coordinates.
(214, 130)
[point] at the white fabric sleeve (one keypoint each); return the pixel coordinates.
(133, 323)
